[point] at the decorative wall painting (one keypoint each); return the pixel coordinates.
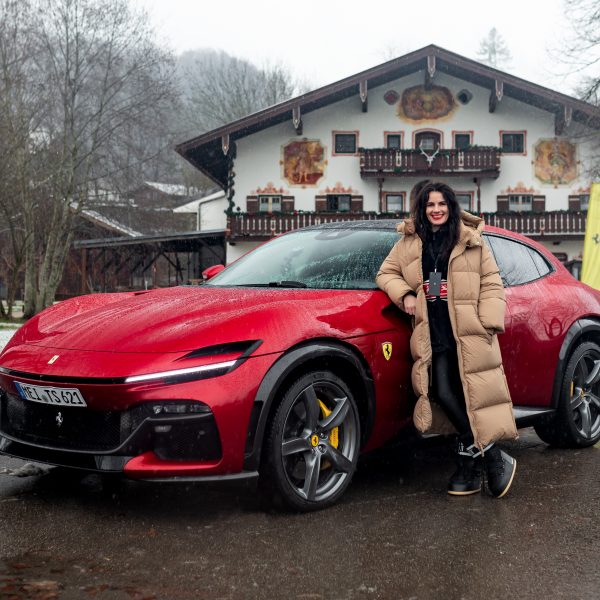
(555, 161)
(303, 162)
(419, 104)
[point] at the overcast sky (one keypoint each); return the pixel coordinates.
(322, 41)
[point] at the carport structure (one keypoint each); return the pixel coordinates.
(141, 262)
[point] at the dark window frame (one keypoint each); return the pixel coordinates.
(333, 202)
(455, 134)
(511, 150)
(348, 134)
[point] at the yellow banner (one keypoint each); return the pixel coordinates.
(590, 269)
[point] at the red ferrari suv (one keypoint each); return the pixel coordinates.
(285, 366)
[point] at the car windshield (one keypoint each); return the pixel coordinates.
(318, 259)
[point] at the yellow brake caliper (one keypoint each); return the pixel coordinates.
(333, 436)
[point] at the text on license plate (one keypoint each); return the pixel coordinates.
(50, 395)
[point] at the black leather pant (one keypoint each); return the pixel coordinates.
(447, 390)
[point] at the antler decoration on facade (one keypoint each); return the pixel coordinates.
(429, 158)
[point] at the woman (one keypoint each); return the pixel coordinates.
(442, 273)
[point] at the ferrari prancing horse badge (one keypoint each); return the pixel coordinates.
(387, 350)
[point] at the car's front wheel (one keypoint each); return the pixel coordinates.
(312, 443)
(576, 423)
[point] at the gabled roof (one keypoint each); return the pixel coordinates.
(192, 206)
(205, 152)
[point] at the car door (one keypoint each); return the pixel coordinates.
(534, 324)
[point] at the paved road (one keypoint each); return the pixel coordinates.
(396, 535)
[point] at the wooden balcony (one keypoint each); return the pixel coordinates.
(474, 162)
(261, 226)
(549, 225)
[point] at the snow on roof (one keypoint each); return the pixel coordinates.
(172, 189)
(192, 207)
(95, 216)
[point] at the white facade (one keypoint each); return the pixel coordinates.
(259, 156)
(259, 162)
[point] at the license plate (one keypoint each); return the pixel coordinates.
(50, 395)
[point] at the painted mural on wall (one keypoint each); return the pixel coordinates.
(419, 104)
(555, 161)
(303, 162)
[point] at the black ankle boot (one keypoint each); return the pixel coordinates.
(500, 470)
(466, 479)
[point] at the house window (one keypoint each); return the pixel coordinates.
(394, 202)
(338, 202)
(393, 140)
(465, 200)
(520, 202)
(428, 140)
(512, 142)
(269, 204)
(345, 143)
(462, 139)
(584, 200)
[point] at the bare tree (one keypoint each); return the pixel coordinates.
(102, 76)
(581, 49)
(493, 50)
(220, 88)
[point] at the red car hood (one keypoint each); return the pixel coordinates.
(186, 318)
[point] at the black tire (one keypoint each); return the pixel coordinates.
(312, 444)
(576, 423)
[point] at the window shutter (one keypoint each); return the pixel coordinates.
(356, 204)
(502, 203)
(287, 204)
(574, 203)
(539, 204)
(252, 204)
(320, 204)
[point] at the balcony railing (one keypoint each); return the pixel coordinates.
(264, 226)
(257, 227)
(478, 162)
(538, 225)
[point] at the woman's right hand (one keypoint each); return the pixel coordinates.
(410, 304)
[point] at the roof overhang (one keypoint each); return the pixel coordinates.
(210, 151)
(148, 240)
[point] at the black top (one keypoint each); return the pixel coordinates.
(440, 328)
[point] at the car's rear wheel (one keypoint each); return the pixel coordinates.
(312, 443)
(576, 423)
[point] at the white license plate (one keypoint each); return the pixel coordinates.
(50, 395)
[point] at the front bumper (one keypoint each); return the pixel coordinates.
(120, 432)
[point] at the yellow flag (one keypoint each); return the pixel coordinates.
(590, 269)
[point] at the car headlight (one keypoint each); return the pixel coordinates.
(235, 352)
(200, 372)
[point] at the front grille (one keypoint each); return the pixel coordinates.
(63, 427)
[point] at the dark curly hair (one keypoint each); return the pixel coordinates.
(422, 224)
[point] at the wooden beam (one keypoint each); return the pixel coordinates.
(562, 119)
(225, 143)
(429, 72)
(496, 95)
(362, 91)
(297, 119)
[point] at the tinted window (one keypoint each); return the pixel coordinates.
(517, 262)
(321, 259)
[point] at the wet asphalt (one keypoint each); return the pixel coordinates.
(396, 534)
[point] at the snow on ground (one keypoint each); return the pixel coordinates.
(5, 335)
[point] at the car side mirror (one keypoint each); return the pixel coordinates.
(210, 272)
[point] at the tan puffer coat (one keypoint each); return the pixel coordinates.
(476, 305)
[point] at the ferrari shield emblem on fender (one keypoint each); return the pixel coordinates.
(387, 350)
